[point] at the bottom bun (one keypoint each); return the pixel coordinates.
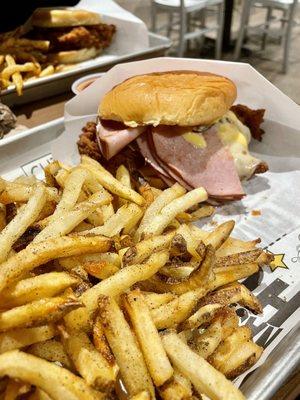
(74, 56)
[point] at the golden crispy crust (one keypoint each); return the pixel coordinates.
(184, 98)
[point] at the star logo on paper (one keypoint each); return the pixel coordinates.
(277, 262)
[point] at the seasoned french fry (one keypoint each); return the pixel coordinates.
(42, 252)
(125, 218)
(57, 382)
(49, 70)
(142, 250)
(156, 359)
(51, 350)
(22, 221)
(222, 326)
(66, 221)
(205, 378)
(36, 288)
(22, 337)
(125, 348)
(234, 293)
(11, 192)
(16, 77)
(114, 286)
(167, 214)
(200, 317)
(220, 234)
(156, 206)
(90, 363)
(72, 188)
(203, 277)
(243, 357)
(177, 310)
(245, 257)
(155, 300)
(38, 312)
(109, 182)
(225, 275)
(178, 388)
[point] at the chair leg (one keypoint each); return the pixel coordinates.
(243, 27)
(182, 32)
(287, 38)
(170, 24)
(267, 25)
(153, 17)
(219, 40)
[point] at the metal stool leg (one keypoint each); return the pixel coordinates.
(242, 30)
(267, 25)
(182, 32)
(170, 24)
(153, 17)
(219, 41)
(287, 38)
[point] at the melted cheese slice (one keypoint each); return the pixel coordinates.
(196, 139)
(237, 136)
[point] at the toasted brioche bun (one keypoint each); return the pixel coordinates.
(74, 56)
(184, 98)
(54, 18)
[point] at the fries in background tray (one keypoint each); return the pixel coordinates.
(105, 284)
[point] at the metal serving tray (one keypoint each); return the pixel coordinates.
(62, 81)
(30, 151)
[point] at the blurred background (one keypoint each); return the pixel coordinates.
(263, 43)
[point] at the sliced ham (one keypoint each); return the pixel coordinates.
(211, 167)
(113, 137)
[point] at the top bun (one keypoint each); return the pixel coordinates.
(184, 98)
(54, 18)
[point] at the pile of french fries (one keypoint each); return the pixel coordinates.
(23, 60)
(107, 290)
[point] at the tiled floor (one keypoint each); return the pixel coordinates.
(268, 62)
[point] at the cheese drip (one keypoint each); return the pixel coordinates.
(234, 134)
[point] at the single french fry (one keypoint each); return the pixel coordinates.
(51, 350)
(66, 221)
(56, 381)
(171, 314)
(234, 293)
(22, 337)
(156, 359)
(16, 77)
(225, 275)
(109, 182)
(203, 277)
(124, 346)
(90, 363)
(125, 218)
(49, 70)
(155, 300)
(38, 312)
(36, 288)
(40, 253)
(156, 206)
(205, 378)
(22, 221)
(142, 250)
(200, 317)
(178, 387)
(168, 213)
(220, 234)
